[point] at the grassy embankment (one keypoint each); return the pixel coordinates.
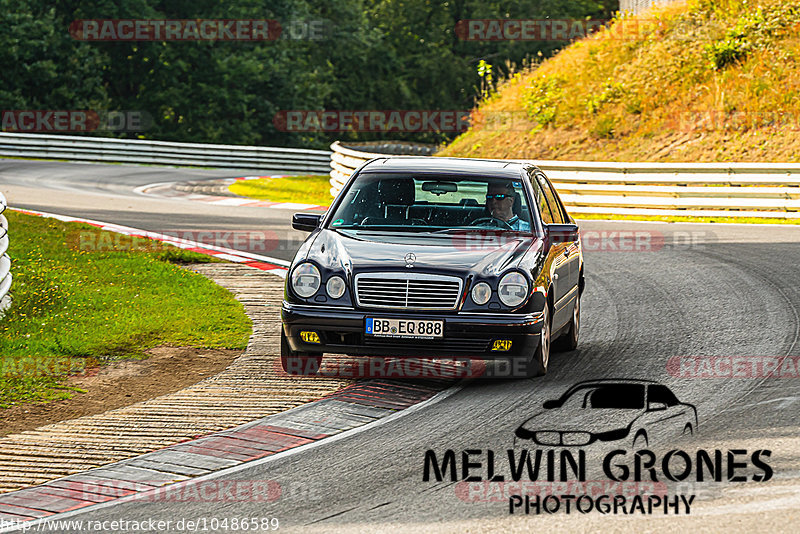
(701, 81)
(76, 307)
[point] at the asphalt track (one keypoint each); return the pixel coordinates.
(707, 291)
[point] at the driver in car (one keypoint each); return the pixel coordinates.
(500, 200)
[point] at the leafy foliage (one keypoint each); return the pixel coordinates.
(755, 30)
(375, 54)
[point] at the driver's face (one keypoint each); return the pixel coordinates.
(500, 208)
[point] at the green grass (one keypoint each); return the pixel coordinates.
(679, 219)
(75, 309)
(309, 189)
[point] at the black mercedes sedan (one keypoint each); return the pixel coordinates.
(436, 258)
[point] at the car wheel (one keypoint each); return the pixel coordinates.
(569, 340)
(537, 365)
(299, 363)
(640, 441)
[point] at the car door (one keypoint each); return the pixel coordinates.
(574, 246)
(557, 260)
(566, 254)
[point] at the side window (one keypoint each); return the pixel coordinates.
(555, 208)
(541, 201)
(662, 394)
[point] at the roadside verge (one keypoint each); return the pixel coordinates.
(214, 425)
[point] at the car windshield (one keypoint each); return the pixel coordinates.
(395, 202)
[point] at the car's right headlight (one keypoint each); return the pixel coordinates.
(512, 289)
(306, 280)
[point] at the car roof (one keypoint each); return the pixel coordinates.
(434, 165)
(608, 381)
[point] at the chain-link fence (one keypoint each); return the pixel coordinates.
(637, 6)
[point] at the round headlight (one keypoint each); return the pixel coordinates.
(306, 280)
(335, 287)
(481, 293)
(512, 289)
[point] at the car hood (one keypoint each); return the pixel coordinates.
(581, 420)
(361, 251)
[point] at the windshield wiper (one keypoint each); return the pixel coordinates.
(450, 230)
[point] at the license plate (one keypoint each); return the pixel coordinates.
(407, 328)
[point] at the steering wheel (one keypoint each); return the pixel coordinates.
(492, 221)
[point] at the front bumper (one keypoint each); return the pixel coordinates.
(341, 331)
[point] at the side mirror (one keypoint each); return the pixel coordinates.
(562, 233)
(656, 406)
(549, 405)
(307, 222)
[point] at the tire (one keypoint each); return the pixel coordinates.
(299, 363)
(537, 364)
(568, 341)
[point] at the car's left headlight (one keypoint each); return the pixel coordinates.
(335, 287)
(481, 293)
(306, 280)
(512, 289)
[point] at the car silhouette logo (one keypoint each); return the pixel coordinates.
(410, 259)
(642, 411)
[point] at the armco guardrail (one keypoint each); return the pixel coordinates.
(5, 261)
(345, 159)
(695, 189)
(100, 149)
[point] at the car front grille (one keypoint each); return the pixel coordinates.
(405, 291)
(570, 438)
